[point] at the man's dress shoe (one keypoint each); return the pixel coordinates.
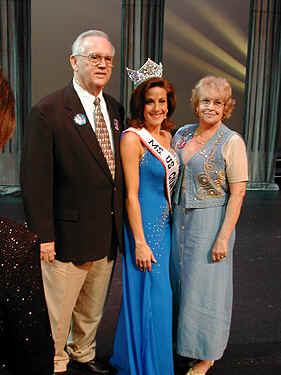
(93, 366)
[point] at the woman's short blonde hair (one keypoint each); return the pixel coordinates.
(224, 91)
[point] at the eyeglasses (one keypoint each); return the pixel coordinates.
(96, 59)
(216, 103)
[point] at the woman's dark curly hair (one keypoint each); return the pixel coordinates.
(137, 103)
(7, 110)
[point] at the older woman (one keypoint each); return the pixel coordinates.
(207, 204)
(143, 341)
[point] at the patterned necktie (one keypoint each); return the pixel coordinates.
(103, 136)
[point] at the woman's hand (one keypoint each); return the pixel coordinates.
(219, 250)
(144, 257)
(233, 208)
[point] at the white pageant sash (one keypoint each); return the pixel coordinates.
(162, 154)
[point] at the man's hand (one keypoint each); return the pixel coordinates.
(47, 252)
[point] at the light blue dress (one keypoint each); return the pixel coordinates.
(203, 289)
(143, 341)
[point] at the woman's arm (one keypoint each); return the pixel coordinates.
(131, 152)
(233, 208)
(235, 156)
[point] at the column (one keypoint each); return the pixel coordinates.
(262, 94)
(142, 37)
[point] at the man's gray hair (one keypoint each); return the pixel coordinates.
(76, 46)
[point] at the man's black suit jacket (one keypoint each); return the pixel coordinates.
(68, 192)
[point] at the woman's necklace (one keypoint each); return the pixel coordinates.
(198, 139)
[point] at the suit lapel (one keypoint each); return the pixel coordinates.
(84, 130)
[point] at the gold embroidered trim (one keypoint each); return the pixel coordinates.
(211, 180)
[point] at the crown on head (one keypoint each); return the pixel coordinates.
(149, 70)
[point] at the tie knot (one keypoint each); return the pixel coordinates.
(97, 101)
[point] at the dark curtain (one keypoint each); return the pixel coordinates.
(15, 60)
(262, 95)
(142, 38)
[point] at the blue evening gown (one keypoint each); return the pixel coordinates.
(143, 341)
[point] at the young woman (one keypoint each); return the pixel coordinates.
(143, 342)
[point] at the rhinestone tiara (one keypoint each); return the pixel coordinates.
(149, 70)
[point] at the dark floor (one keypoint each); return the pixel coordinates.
(255, 340)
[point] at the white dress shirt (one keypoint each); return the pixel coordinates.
(87, 101)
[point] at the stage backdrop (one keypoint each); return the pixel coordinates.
(200, 37)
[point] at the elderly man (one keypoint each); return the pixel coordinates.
(73, 198)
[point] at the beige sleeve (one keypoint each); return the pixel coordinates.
(235, 156)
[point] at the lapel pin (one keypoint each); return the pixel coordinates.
(80, 119)
(180, 144)
(116, 124)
